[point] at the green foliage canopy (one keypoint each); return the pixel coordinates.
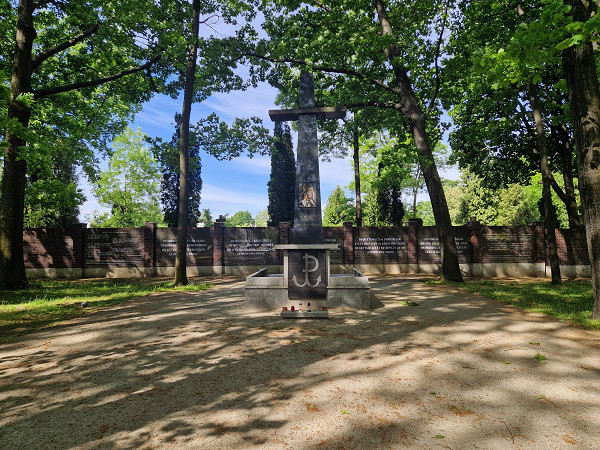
(130, 186)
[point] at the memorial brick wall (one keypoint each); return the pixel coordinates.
(250, 246)
(79, 247)
(572, 248)
(199, 247)
(335, 235)
(114, 247)
(508, 244)
(53, 248)
(380, 245)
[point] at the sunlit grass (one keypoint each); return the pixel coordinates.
(572, 301)
(48, 302)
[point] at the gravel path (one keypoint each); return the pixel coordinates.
(196, 370)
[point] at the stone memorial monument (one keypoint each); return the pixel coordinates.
(306, 277)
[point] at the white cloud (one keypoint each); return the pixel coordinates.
(221, 200)
(157, 117)
(256, 165)
(243, 104)
(336, 172)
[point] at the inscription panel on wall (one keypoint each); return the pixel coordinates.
(199, 246)
(248, 246)
(113, 247)
(507, 244)
(429, 245)
(380, 245)
(334, 235)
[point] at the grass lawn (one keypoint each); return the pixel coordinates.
(573, 301)
(48, 302)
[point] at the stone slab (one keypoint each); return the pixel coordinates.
(306, 247)
(304, 315)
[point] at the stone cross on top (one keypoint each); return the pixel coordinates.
(308, 224)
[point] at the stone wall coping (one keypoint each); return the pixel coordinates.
(306, 247)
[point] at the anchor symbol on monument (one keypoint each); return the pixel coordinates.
(306, 257)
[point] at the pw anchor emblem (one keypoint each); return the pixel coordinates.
(306, 270)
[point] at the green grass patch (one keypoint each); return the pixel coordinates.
(407, 303)
(573, 300)
(48, 302)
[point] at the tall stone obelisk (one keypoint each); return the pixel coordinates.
(306, 259)
(308, 223)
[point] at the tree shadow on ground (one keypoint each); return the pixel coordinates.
(198, 370)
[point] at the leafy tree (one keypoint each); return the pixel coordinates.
(425, 213)
(516, 204)
(339, 209)
(52, 198)
(130, 185)
(240, 219)
(373, 61)
(65, 89)
(206, 218)
(496, 135)
(262, 218)
(281, 186)
(581, 75)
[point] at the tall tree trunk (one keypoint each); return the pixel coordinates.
(356, 157)
(12, 203)
(546, 191)
(416, 121)
(563, 143)
(184, 154)
(584, 98)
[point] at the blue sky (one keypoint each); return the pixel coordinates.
(239, 184)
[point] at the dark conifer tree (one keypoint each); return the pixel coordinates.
(167, 154)
(283, 177)
(391, 208)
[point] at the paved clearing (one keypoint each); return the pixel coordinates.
(197, 370)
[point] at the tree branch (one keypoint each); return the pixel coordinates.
(322, 6)
(301, 62)
(63, 46)
(386, 105)
(437, 65)
(46, 92)
(556, 188)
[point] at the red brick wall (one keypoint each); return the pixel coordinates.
(79, 246)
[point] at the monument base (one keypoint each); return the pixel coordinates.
(304, 314)
(272, 292)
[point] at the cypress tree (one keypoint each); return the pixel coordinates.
(167, 154)
(283, 177)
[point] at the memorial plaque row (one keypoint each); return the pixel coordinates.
(199, 247)
(507, 244)
(111, 247)
(250, 246)
(380, 245)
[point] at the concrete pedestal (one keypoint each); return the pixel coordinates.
(272, 292)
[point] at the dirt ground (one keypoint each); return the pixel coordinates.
(197, 370)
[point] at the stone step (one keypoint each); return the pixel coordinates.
(304, 314)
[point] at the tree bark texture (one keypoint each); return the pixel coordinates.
(546, 191)
(356, 157)
(563, 142)
(416, 121)
(584, 98)
(184, 153)
(12, 203)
